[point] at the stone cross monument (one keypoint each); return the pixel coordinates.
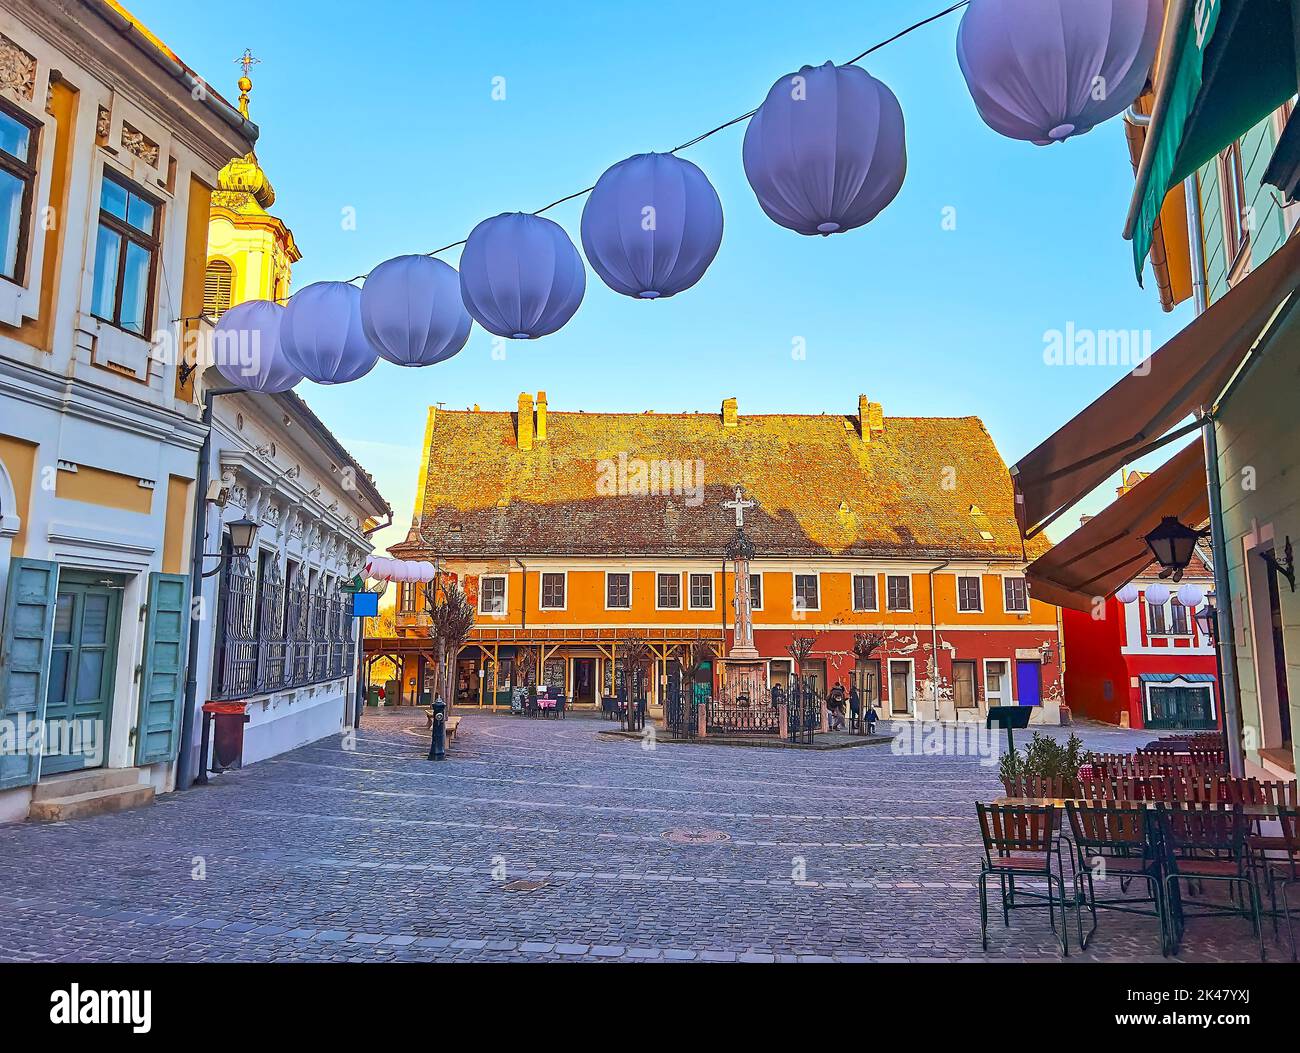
(740, 550)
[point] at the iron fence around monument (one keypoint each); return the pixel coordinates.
(803, 705)
(746, 706)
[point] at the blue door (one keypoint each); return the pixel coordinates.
(1029, 683)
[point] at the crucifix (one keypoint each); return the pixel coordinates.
(739, 504)
(740, 550)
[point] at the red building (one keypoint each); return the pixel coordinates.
(1142, 664)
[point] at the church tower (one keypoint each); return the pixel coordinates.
(251, 253)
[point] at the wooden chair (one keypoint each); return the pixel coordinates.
(1284, 872)
(1207, 843)
(1019, 841)
(1114, 841)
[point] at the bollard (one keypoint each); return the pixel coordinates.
(438, 745)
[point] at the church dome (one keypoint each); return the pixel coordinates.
(243, 175)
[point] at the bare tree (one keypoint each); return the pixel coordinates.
(634, 653)
(866, 644)
(451, 617)
(800, 648)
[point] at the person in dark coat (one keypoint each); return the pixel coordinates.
(835, 703)
(855, 706)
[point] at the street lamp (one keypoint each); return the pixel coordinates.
(243, 532)
(1207, 620)
(1173, 544)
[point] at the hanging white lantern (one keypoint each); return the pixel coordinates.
(1044, 70)
(246, 348)
(427, 571)
(1190, 595)
(520, 276)
(652, 225)
(826, 151)
(1157, 594)
(1128, 594)
(322, 336)
(412, 312)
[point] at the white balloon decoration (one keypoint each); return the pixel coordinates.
(1190, 595)
(1128, 594)
(1157, 594)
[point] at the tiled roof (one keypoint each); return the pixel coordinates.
(923, 487)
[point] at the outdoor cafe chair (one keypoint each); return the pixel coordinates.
(1114, 841)
(1020, 841)
(1284, 872)
(1207, 843)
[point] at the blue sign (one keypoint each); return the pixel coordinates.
(365, 605)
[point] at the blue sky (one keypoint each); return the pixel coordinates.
(386, 108)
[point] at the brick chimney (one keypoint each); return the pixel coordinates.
(541, 417)
(730, 413)
(524, 421)
(876, 416)
(864, 418)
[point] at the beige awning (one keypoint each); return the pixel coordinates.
(1136, 416)
(1108, 550)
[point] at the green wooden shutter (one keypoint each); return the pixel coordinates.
(25, 663)
(162, 679)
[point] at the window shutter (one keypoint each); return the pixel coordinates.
(162, 680)
(25, 660)
(218, 282)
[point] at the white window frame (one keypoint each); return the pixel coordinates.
(541, 590)
(911, 686)
(979, 582)
(762, 590)
(621, 573)
(667, 574)
(911, 600)
(1006, 698)
(795, 575)
(853, 591)
(1208, 688)
(713, 590)
(1013, 610)
(505, 595)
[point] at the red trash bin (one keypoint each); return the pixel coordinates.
(228, 735)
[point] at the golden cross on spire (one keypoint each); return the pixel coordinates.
(247, 60)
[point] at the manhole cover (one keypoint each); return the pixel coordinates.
(695, 837)
(523, 886)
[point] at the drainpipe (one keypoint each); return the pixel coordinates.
(1225, 635)
(934, 640)
(198, 535)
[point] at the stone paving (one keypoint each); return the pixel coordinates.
(544, 840)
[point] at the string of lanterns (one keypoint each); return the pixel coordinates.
(1158, 594)
(383, 568)
(825, 153)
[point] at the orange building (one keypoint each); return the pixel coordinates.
(571, 530)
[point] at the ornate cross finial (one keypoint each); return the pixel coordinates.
(739, 504)
(247, 60)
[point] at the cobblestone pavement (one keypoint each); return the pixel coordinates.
(375, 853)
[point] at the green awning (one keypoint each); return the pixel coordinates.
(1226, 65)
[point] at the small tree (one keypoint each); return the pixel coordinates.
(800, 648)
(633, 652)
(451, 617)
(864, 646)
